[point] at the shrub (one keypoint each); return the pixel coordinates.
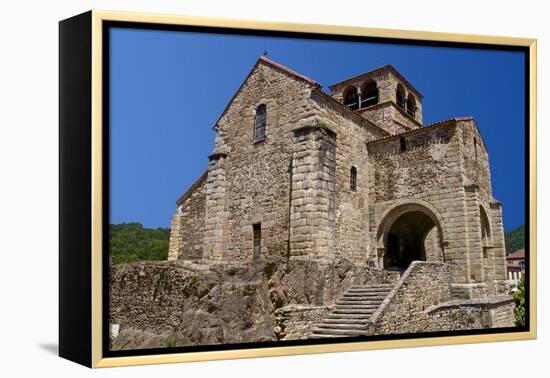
(519, 300)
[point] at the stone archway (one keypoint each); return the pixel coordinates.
(409, 232)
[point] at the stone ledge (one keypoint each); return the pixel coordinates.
(314, 122)
(386, 302)
(477, 302)
(219, 152)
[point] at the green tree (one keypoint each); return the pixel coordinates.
(515, 239)
(519, 300)
(130, 242)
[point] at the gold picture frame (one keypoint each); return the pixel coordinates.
(83, 273)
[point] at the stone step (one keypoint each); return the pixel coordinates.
(373, 297)
(358, 327)
(361, 321)
(368, 291)
(374, 287)
(338, 332)
(323, 335)
(365, 294)
(385, 287)
(351, 311)
(359, 303)
(379, 298)
(362, 299)
(356, 307)
(355, 317)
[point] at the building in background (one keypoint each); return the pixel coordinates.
(515, 265)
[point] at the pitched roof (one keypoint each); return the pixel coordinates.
(517, 255)
(288, 70)
(388, 67)
(192, 188)
(435, 124)
(274, 64)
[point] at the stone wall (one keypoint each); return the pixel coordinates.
(256, 174)
(491, 259)
(390, 117)
(313, 192)
(421, 171)
(428, 169)
(350, 210)
(491, 312)
(396, 79)
(187, 227)
(424, 284)
(188, 303)
(297, 322)
(423, 163)
(245, 176)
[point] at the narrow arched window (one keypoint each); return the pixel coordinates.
(353, 179)
(486, 242)
(400, 96)
(260, 123)
(369, 94)
(351, 100)
(475, 149)
(411, 105)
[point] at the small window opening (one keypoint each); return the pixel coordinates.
(260, 123)
(257, 235)
(353, 179)
(475, 149)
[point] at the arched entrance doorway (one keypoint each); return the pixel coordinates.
(409, 233)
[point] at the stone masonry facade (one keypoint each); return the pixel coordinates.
(301, 175)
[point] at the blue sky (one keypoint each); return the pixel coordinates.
(168, 88)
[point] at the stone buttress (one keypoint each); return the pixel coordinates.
(312, 192)
(215, 232)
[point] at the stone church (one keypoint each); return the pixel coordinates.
(301, 175)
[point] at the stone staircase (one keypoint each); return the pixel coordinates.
(352, 311)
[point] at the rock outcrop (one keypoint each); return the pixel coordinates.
(165, 304)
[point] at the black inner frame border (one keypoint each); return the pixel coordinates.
(107, 25)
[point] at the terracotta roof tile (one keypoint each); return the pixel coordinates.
(519, 254)
(438, 123)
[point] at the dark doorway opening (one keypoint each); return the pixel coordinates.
(406, 240)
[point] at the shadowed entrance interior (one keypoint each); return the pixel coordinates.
(407, 240)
